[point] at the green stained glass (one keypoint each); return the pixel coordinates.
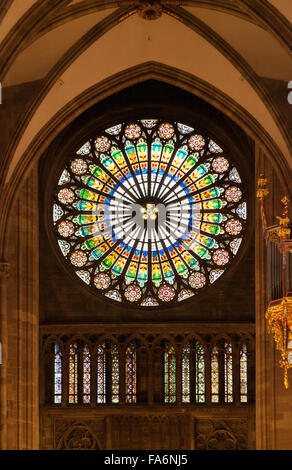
(200, 372)
(215, 375)
(186, 395)
(193, 358)
(150, 202)
(169, 374)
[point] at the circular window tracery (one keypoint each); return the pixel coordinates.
(149, 212)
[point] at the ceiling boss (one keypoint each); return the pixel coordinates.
(150, 9)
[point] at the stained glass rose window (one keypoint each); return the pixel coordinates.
(149, 212)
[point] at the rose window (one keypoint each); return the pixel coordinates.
(149, 212)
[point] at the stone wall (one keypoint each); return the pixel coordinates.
(151, 429)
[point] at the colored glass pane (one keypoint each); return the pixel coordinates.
(169, 374)
(131, 379)
(86, 375)
(200, 372)
(101, 374)
(228, 378)
(115, 374)
(147, 210)
(215, 375)
(73, 375)
(186, 352)
(57, 374)
(243, 373)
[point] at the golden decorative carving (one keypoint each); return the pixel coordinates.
(279, 316)
(261, 194)
(280, 232)
(261, 191)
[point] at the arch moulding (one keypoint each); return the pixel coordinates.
(112, 85)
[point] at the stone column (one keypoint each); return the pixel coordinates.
(4, 274)
(265, 358)
(150, 370)
(23, 320)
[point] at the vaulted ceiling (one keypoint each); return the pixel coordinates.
(235, 54)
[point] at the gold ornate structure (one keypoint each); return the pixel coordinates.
(279, 311)
(279, 316)
(280, 232)
(262, 192)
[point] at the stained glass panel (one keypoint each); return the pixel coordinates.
(115, 374)
(169, 374)
(228, 378)
(200, 372)
(73, 375)
(57, 374)
(131, 378)
(101, 374)
(243, 373)
(149, 212)
(215, 375)
(86, 375)
(186, 393)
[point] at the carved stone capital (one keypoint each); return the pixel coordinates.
(4, 270)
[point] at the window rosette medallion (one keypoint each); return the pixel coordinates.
(149, 212)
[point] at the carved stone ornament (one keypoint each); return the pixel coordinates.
(4, 270)
(213, 434)
(78, 438)
(150, 9)
(221, 439)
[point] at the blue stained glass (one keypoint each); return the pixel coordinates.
(132, 165)
(57, 374)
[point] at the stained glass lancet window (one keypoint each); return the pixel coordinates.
(194, 366)
(200, 372)
(86, 374)
(149, 212)
(101, 374)
(131, 378)
(169, 374)
(193, 370)
(186, 392)
(215, 375)
(228, 377)
(243, 373)
(73, 374)
(115, 378)
(57, 374)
